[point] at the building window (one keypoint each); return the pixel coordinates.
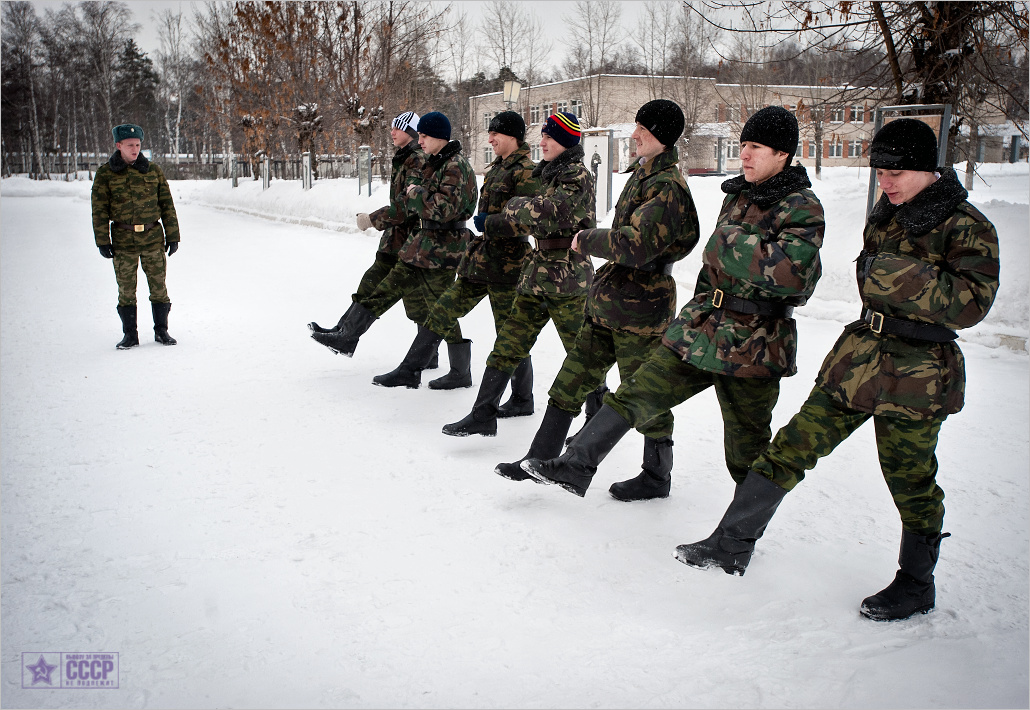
(534, 115)
(857, 114)
(800, 150)
(562, 106)
(486, 120)
(836, 149)
(732, 149)
(855, 149)
(577, 107)
(731, 113)
(488, 155)
(811, 149)
(718, 115)
(535, 153)
(837, 115)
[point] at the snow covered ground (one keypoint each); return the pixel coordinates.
(248, 522)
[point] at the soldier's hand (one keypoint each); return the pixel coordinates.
(172, 247)
(106, 251)
(480, 221)
(575, 240)
(364, 221)
(864, 263)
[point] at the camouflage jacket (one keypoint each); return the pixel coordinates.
(655, 222)
(765, 248)
(445, 191)
(496, 255)
(394, 220)
(132, 194)
(931, 260)
(564, 206)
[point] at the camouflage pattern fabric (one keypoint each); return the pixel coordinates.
(461, 297)
(132, 194)
(586, 366)
(527, 318)
(655, 221)
(932, 260)
(127, 261)
(422, 285)
(414, 302)
(906, 451)
(664, 381)
(765, 247)
(394, 220)
(445, 191)
(496, 256)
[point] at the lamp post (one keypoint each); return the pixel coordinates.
(512, 86)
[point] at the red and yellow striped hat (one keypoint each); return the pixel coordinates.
(564, 128)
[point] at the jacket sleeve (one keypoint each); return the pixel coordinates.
(554, 210)
(956, 294)
(396, 213)
(164, 202)
(452, 200)
(496, 225)
(100, 200)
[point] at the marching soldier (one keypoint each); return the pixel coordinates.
(929, 266)
(554, 279)
(489, 269)
(134, 224)
(632, 300)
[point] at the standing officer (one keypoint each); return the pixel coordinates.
(554, 280)
(632, 300)
(134, 224)
(490, 268)
(929, 265)
(736, 334)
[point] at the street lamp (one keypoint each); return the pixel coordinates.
(512, 86)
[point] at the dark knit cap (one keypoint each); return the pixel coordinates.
(775, 127)
(904, 144)
(564, 128)
(436, 125)
(126, 130)
(663, 118)
(510, 124)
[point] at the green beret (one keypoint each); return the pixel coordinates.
(126, 130)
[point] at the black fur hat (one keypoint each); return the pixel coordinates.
(775, 127)
(510, 124)
(904, 144)
(663, 118)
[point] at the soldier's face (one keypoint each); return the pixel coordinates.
(129, 148)
(504, 145)
(902, 185)
(550, 147)
(647, 145)
(760, 162)
(431, 145)
(400, 138)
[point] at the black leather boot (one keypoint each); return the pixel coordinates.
(161, 323)
(460, 375)
(520, 404)
(344, 341)
(483, 417)
(546, 444)
(130, 336)
(595, 400)
(316, 328)
(731, 545)
(409, 372)
(574, 469)
(912, 591)
(654, 479)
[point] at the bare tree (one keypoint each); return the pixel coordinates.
(595, 32)
(175, 65)
(21, 36)
(656, 38)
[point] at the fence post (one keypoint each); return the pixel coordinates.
(232, 169)
(305, 166)
(266, 172)
(364, 169)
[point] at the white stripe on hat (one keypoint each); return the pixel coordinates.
(408, 119)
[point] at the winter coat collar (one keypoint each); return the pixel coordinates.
(927, 209)
(448, 152)
(548, 169)
(516, 156)
(119, 165)
(662, 161)
(791, 179)
(405, 150)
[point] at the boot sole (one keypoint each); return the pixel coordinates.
(708, 564)
(467, 433)
(636, 500)
(879, 617)
(410, 387)
(541, 478)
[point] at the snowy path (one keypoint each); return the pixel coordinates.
(250, 523)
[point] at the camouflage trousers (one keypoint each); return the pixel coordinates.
(425, 286)
(414, 306)
(596, 349)
(529, 314)
(664, 381)
(127, 261)
(906, 449)
(462, 296)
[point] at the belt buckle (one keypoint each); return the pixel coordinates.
(138, 227)
(717, 298)
(875, 322)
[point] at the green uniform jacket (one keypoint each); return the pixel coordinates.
(132, 194)
(394, 220)
(765, 248)
(496, 256)
(446, 191)
(655, 222)
(564, 206)
(931, 260)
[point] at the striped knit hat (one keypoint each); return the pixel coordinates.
(564, 128)
(407, 122)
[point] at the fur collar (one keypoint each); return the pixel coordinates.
(448, 152)
(119, 165)
(927, 209)
(548, 169)
(791, 179)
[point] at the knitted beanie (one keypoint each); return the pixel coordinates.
(775, 127)
(564, 128)
(126, 130)
(663, 118)
(510, 124)
(904, 144)
(435, 125)
(407, 122)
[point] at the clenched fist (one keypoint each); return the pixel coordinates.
(364, 221)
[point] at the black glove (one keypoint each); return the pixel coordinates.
(864, 263)
(480, 221)
(172, 247)
(106, 251)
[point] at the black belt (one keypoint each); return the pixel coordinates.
(430, 224)
(559, 243)
(135, 227)
(885, 325)
(721, 299)
(657, 267)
